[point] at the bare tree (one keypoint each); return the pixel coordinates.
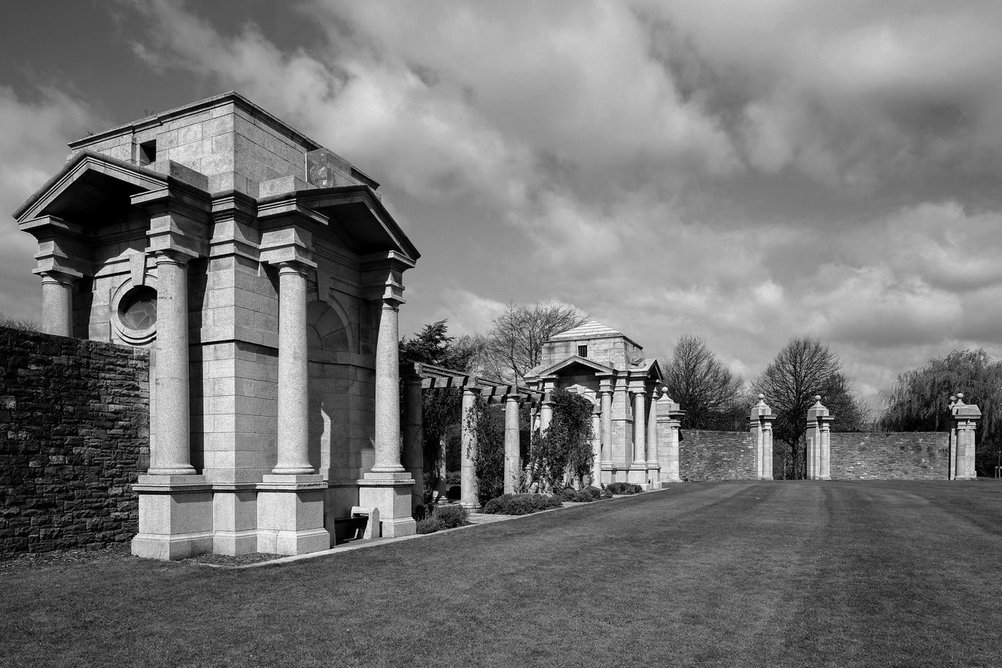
(17, 323)
(705, 388)
(804, 368)
(515, 342)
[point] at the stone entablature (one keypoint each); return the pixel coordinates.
(270, 305)
(625, 389)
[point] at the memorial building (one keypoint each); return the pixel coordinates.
(635, 424)
(264, 275)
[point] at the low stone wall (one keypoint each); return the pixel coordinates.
(890, 456)
(74, 432)
(716, 455)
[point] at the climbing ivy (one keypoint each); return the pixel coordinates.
(564, 452)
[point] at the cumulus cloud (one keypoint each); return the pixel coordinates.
(746, 172)
(851, 95)
(33, 146)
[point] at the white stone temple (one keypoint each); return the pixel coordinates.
(635, 422)
(264, 274)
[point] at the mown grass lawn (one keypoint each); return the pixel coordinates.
(784, 573)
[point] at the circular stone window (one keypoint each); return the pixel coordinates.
(134, 313)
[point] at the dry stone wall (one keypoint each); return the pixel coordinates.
(74, 432)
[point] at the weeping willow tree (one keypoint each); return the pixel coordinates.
(920, 399)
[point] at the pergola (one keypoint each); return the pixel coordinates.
(419, 377)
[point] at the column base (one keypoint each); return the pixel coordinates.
(171, 548)
(290, 514)
(234, 520)
(637, 475)
(654, 475)
(391, 494)
(175, 517)
(669, 477)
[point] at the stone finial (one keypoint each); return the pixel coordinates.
(760, 409)
(817, 411)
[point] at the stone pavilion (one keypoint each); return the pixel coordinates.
(634, 421)
(264, 275)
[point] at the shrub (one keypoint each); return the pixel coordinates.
(430, 525)
(606, 494)
(452, 515)
(443, 517)
(520, 504)
(623, 488)
(583, 497)
(568, 494)
(595, 492)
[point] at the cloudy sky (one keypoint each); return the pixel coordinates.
(742, 171)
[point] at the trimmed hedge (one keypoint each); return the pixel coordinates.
(520, 504)
(583, 496)
(624, 488)
(443, 517)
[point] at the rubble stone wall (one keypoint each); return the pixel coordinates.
(890, 456)
(716, 455)
(74, 433)
(723, 455)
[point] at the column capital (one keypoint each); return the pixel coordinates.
(392, 301)
(178, 219)
(287, 244)
(171, 256)
(294, 267)
(61, 248)
(605, 385)
(472, 389)
(61, 276)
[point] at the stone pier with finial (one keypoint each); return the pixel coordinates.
(818, 441)
(965, 421)
(761, 431)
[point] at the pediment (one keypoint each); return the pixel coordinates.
(561, 368)
(354, 214)
(89, 186)
(649, 368)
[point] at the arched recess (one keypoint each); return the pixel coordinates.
(328, 329)
(331, 344)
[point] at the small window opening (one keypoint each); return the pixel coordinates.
(148, 152)
(582, 351)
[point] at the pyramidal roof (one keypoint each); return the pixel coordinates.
(589, 330)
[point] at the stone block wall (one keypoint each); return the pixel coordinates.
(716, 455)
(74, 433)
(890, 456)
